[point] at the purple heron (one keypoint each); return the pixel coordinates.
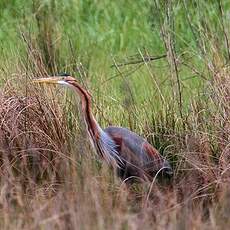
(131, 155)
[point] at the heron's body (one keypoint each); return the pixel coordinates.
(131, 154)
(139, 158)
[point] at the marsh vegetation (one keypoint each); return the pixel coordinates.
(159, 68)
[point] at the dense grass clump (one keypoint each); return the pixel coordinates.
(159, 68)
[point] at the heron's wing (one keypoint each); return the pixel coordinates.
(154, 160)
(135, 150)
(132, 166)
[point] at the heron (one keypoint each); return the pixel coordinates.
(129, 154)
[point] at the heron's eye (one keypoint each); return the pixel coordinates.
(63, 75)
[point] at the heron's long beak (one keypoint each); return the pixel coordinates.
(50, 80)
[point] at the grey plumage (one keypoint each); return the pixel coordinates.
(139, 157)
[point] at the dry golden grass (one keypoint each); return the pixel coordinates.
(51, 179)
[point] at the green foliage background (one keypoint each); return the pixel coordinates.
(180, 103)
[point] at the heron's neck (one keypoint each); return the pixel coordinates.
(102, 142)
(92, 126)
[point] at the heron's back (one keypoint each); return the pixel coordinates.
(130, 139)
(135, 149)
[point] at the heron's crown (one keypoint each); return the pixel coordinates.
(63, 74)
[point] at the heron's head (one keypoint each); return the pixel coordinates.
(67, 80)
(63, 79)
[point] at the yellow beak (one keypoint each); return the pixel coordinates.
(49, 80)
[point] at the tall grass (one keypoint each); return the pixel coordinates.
(50, 176)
